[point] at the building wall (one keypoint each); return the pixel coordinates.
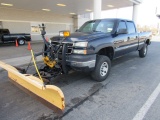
(79, 20)
(17, 27)
(21, 21)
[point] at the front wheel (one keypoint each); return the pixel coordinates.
(102, 69)
(143, 51)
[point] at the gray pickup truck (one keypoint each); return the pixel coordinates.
(98, 42)
(6, 37)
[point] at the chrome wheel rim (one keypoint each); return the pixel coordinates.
(104, 69)
(21, 42)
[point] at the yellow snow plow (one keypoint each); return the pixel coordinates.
(49, 95)
(39, 84)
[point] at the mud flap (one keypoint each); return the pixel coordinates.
(49, 95)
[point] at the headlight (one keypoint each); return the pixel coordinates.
(80, 51)
(80, 44)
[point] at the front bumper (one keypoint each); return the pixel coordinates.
(82, 62)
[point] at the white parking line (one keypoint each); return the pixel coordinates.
(142, 112)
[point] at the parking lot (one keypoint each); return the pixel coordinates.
(10, 51)
(130, 92)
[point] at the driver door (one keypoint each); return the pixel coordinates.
(120, 40)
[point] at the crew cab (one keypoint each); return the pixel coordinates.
(98, 42)
(6, 37)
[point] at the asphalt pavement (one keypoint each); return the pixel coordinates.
(131, 92)
(8, 51)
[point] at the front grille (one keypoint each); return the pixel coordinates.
(70, 47)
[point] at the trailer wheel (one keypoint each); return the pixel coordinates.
(21, 42)
(102, 69)
(143, 51)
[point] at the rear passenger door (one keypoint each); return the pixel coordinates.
(132, 40)
(120, 41)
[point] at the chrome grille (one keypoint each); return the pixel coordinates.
(70, 47)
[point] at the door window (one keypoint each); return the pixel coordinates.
(122, 25)
(131, 27)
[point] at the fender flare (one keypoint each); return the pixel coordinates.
(98, 48)
(21, 37)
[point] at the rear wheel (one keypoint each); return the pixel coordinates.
(143, 51)
(21, 42)
(102, 69)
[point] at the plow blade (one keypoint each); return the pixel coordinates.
(49, 95)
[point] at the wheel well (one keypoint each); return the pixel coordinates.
(108, 51)
(147, 41)
(21, 38)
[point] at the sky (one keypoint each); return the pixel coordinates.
(146, 14)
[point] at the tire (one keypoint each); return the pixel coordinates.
(143, 51)
(102, 68)
(21, 42)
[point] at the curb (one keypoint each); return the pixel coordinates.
(36, 42)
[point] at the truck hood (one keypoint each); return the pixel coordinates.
(80, 36)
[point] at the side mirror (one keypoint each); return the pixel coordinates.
(76, 30)
(122, 31)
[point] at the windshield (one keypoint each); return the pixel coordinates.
(105, 26)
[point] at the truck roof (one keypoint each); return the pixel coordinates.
(113, 19)
(3, 29)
